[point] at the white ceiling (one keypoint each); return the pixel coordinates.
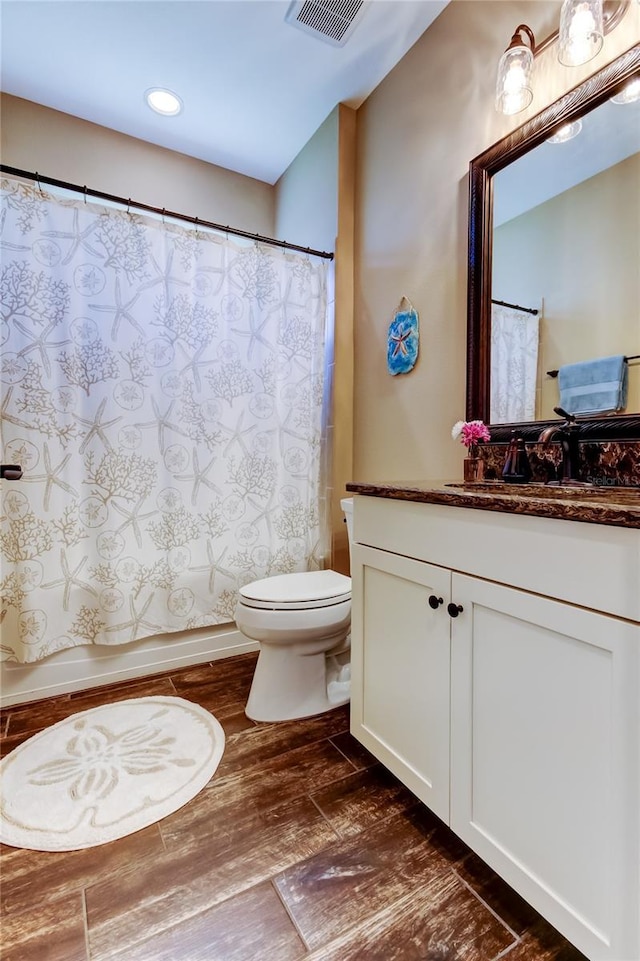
(255, 88)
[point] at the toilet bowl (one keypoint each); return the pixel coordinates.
(301, 622)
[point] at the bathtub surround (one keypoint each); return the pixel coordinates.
(98, 665)
(302, 842)
(107, 772)
(164, 395)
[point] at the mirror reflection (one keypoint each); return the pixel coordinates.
(565, 273)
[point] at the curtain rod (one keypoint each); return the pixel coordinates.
(527, 310)
(127, 202)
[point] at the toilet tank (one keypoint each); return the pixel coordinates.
(347, 508)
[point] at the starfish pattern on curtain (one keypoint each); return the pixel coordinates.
(163, 390)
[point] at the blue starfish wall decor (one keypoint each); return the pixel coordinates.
(403, 339)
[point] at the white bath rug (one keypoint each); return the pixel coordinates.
(107, 772)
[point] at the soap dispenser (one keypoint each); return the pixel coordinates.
(517, 469)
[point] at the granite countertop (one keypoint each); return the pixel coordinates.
(616, 506)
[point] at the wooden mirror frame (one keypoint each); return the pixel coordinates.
(577, 102)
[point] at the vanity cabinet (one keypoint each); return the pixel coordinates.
(403, 669)
(512, 712)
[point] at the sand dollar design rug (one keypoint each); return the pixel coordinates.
(107, 772)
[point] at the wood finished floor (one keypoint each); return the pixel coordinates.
(300, 847)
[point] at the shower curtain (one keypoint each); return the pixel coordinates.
(514, 364)
(163, 390)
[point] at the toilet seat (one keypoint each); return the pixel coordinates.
(294, 592)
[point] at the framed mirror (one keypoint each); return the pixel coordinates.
(495, 199)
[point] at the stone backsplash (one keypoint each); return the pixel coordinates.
(608, 463)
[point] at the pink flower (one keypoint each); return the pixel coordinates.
(471, 433)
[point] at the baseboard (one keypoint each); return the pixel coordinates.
(82, 668)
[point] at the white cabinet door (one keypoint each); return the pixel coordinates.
(545, 757)
(400, 652)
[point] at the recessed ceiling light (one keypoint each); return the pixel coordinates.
(163, 101)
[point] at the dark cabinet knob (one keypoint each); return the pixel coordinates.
(435, 602)
(454, 609)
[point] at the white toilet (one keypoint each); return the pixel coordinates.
(302, 623)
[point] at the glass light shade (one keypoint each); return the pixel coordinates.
(581, 31)
(513, 87)
(628, 94)
(567, 132)
(163, 101)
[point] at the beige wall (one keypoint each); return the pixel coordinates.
(315, 207)
(307, 214)
(343, 380)
(306, 193)
(54, 144)
(578, 255)
(417, 133)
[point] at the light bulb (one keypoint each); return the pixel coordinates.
(628, 94)
(513, 88)
(566, 132)
(579, 37)
(581, 31)
(515, 79)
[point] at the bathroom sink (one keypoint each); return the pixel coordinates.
(598, 493)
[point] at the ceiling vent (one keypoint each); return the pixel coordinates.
(330, 20)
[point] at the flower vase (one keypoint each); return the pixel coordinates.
(473, 469)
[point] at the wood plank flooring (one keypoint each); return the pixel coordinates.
(300, 847)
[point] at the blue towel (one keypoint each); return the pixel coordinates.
(594, 386)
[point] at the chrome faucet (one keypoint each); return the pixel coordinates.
(568, 434)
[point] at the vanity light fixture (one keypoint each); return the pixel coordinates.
(513, 89)
(163, 101)
(581, 31)
(567, 132)
(583, 26)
